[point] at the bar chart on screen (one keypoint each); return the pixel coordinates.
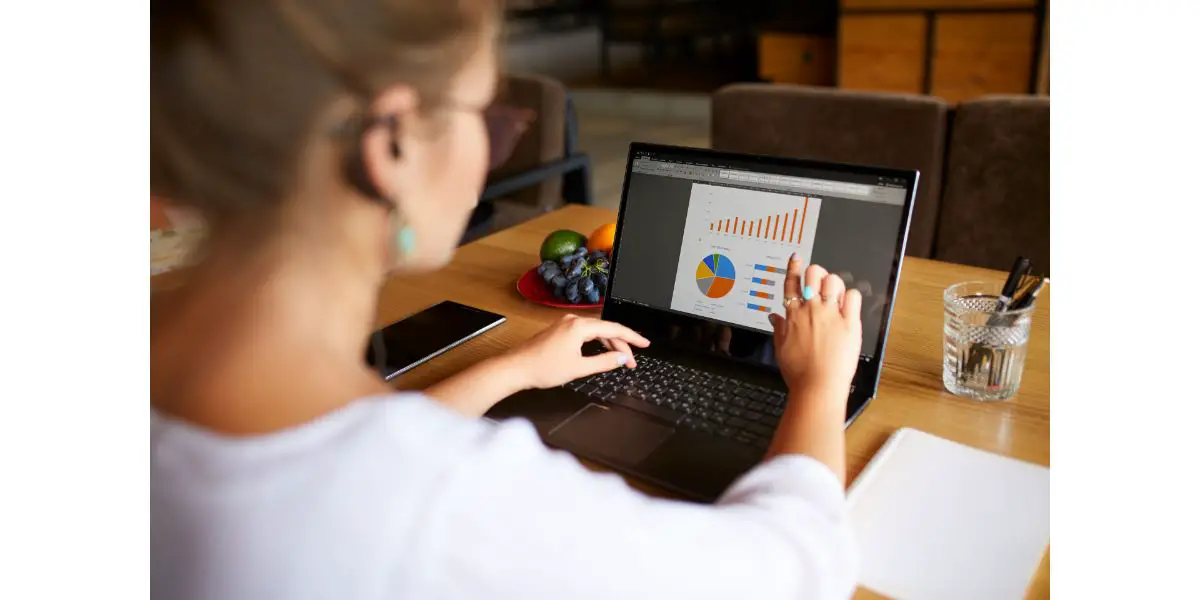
(780, 228)
(735, 250)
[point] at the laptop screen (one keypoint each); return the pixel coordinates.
(708, 235)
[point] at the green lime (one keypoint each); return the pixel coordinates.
(561, 243)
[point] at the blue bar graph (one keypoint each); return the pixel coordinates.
(769, 269)
(758, 307)
(761, 281)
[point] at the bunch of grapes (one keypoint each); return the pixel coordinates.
(577, 277)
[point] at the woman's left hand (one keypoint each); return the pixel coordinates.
(553, 357)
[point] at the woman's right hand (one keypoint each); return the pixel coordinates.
(818, 340)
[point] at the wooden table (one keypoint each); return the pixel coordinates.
(484, 274)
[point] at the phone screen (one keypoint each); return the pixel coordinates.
(420, 337)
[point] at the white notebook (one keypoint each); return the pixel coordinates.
(939, 520)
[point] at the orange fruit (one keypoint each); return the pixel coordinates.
(602, 238)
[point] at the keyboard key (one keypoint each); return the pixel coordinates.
(726, 432)
(759, 429)
(588, 389)
(706, 427)
(744, 438)
(736, 422)
(740, 402)
(757, 406)
(745, 392)
(716, 417)
(689, 422)
(753, 415)
(776, 411)
(686, 408)
(603, 394)
(734, 411)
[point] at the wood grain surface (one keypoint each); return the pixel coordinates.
(976, 55)
(882, 53)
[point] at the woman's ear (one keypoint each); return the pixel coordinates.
(382, 147)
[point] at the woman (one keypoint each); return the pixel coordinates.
(330, 144)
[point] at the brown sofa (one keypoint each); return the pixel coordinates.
(996, 200)
(984, 193)
(887, 130)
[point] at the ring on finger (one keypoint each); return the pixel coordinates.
(787, 302)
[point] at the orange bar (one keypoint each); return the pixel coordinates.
(735, 219)
(775, 232)
(783, 232)
(803, 218)
(759, 234)
(710, 226)
(727, 226)
(743, 229)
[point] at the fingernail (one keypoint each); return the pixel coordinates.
(622, 359)
(793, 256)
(808, 293)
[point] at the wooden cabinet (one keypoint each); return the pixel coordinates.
(954, 49)
(791, 58)
(881, 52)
(977, 54)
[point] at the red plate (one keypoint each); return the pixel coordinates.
(531, 286)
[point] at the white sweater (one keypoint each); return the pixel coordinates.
(398, 497)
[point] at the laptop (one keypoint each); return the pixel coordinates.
(700, 254)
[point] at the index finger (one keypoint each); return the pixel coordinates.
(791, 281)
(595, 328)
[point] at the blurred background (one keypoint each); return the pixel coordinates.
(645, 69)
(870, 81)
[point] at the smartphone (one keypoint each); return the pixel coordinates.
(416, 339)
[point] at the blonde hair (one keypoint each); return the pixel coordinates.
(237, 86)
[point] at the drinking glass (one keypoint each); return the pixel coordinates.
(984, 349)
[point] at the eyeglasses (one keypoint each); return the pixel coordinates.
(504, 124)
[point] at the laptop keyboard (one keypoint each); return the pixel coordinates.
(691, 399)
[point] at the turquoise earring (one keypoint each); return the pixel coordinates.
(406, 240)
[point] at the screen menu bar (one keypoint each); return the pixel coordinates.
(884, 192)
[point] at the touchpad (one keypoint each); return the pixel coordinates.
(619, 435)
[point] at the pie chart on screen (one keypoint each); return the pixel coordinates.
(715, 275)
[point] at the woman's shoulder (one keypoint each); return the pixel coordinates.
(401, 425)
